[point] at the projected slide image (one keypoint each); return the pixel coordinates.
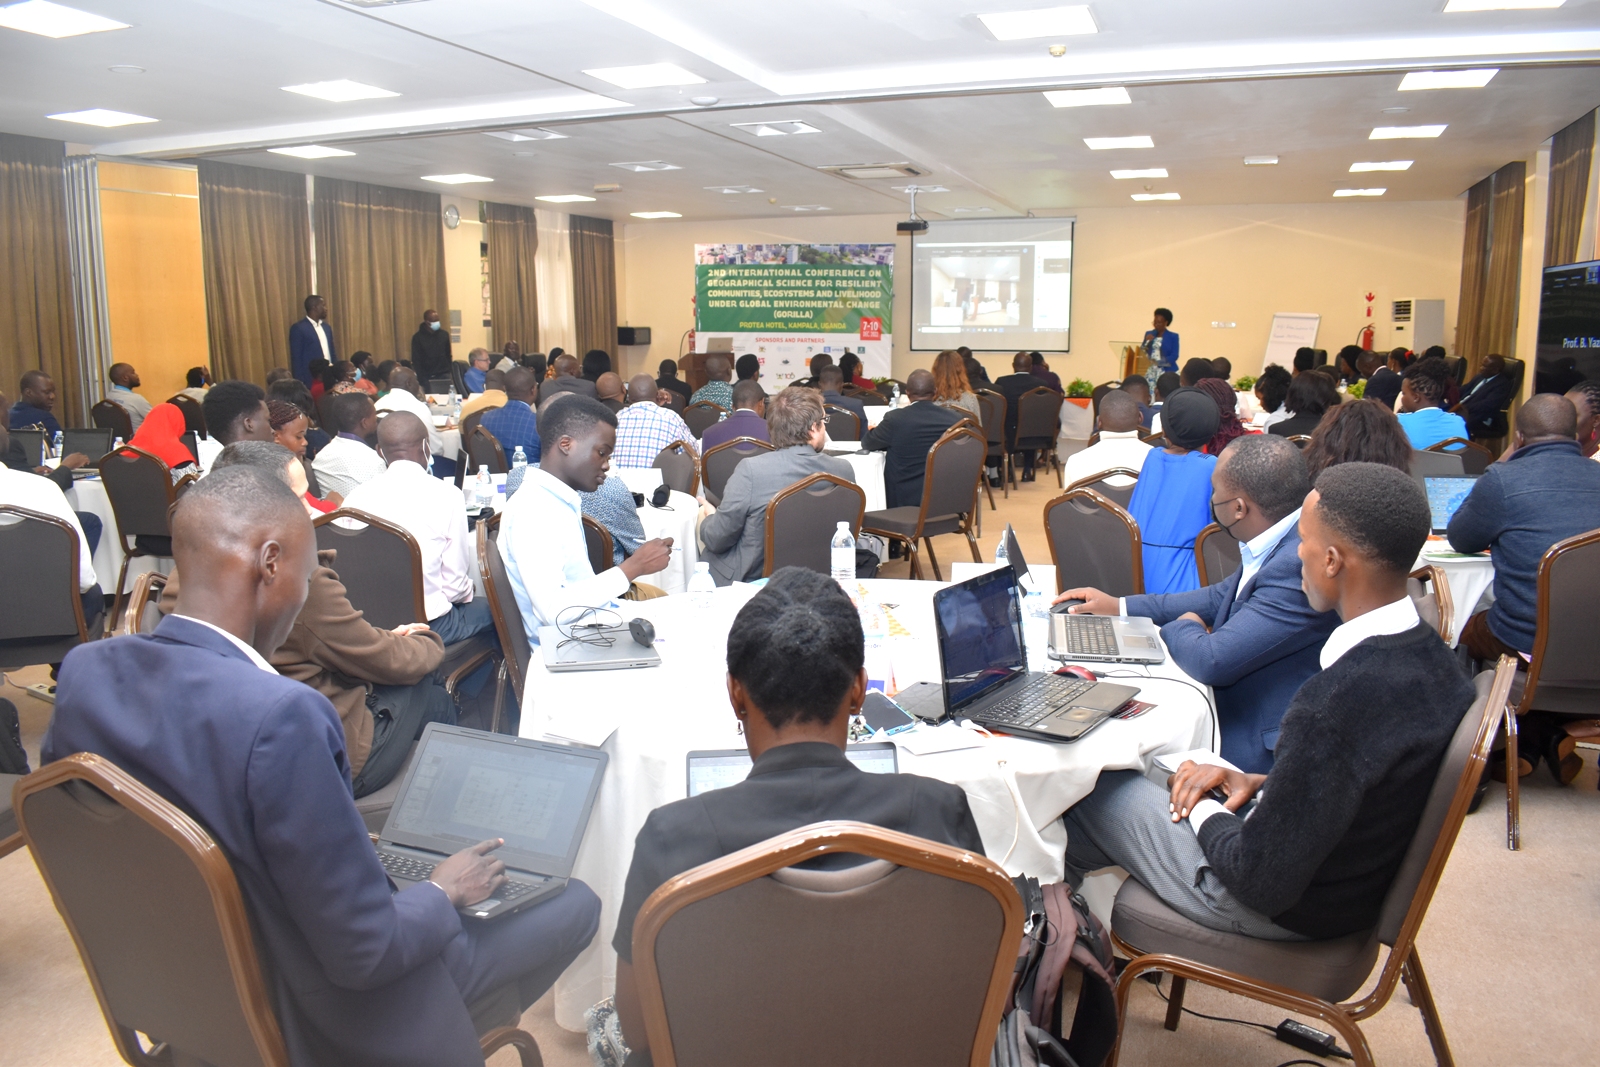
(994, 285)
(975, 290)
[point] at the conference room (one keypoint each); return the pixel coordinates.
(782, 520)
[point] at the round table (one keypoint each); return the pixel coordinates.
(1471, 580)
(648, 720)
(868, 470)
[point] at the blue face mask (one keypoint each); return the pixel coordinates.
(433, 325)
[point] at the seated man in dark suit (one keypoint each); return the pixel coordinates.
(1012, 386)
(831, 381)
(1252, 636)
(667, 378)
(359, 974)
(37, 402)
(749, 417)
(567, 380)
(1327, 828)
(906, 434)
(1484, 398)
(1383, 382)
(794, 678)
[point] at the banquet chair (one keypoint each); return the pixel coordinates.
(483, 450)
(1300, 440)
(1313, 978)
(142, 612)
(112, 416)
(1039, 419)
(194, 418)
(1094, 543)
(379, 564)
(1564, 674)
(166, 940)
(39, 569)
(679, 466)
(598, 540)
(869, 397)
(751, 959)
(514, 647)
(139, 487)
(1118, 494)
(1216, 555)
(1430, 592)
(1435, 465)
(440, 386)
(676, 401)
(701, 415)
(458, 376)
(993, 406)
(717, 465)
(843, 424)
(802, 518)
(1154, 440)
(949, 500)
(1475, 458)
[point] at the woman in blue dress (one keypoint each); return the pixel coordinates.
(1172, 499)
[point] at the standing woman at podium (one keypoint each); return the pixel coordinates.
(1160, 343)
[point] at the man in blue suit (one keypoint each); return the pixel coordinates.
(360, 974)
(311, 338)
(749, 418)
(1253, 637)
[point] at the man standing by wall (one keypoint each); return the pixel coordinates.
(311, 338)
(430, 349)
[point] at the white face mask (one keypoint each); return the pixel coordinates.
(433, 325)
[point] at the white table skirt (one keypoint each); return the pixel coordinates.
(648, 720)
(1471, 584)
(868, 470)
(89, 495)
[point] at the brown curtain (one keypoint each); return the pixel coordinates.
(1570, 155)
(513, 304)
(257, 250)
(1491, 266)
(37, 325)
(380, 264)
(1474, 267)
(594, 284)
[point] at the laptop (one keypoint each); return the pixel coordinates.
(1095, 638)
(984, 665)
(93, 442)
(710, 769)
(609, 648)
(1445, 496)
(466, 786)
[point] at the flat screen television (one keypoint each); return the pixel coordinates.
(1569, 327)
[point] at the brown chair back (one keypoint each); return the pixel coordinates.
(38, 568)
(680, 467)
(701, 415)
(139, 486)
(194, 417)
(503, 606)
(1039, 414)
(112, 416)
(1475, 458)
(955, 467)
(141, 614)
(1300, 440)
(886, 387)
(1434, 605)
(869, 397)
(748, 959)
(375, 560)
(993, 406)
(1094, 542)
(717, 465)
(676, 401)
(802, 518)
(483, 450)
(843, 424)
(598, 540)
(1216, 554)
(1120, 494)
(1564, 674)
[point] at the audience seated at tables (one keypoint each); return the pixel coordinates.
(1041, 370)
(1358, 431)
(158, 435)
(493, 395)
(1383, 377)
(1229, 427)
(716, 390)
(1539, 492)
(644, 427)
(198, 380)
(608, 390)
(1309, 849)
(1422, 391)
(795, 678)
(829, 384)
(347, 461)
(1195, 371)
(746, 368)
(294, 391)
(566, 379)
(435, 514)
(359, 973)
(1119, 444)
(1172, 500)
(951, 389)
(612, 506)
(36, 401)
(1272, 389)
(1138, 387)
(748, 419)
(365, 366)
(1252, 636)
(735, 532)
(124, 380)
(477, 370)
(1585, 397)
(541, 530)
(1309, 397)
(595, 363)
(1305, 359)
(514, 424)
(405, 394)
(977, 373)
(1012, 386)
(234, 411)
(18, 458)
(667, 378)
(22, 487)
(906, 434)
(1484, 398)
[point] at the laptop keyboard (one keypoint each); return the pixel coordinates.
(416, 870)
(1039, 698)
(1089, 635)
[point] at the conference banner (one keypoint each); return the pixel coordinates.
(788, 302)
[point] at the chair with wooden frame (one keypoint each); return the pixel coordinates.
(374, 561)
(1094, 542)
(110, 415)
(142, 602)
(1300, 440)
(1475, 458)
(1313, 978)
(802, 518)
(680, 467)
(949, 500)
(1564, 674)
(752, 959)
(701, 416)
(166, 942)
(869, 397)
(843, 424)
(1100, 483)
(598, 541)
(887, 387)
(993, 406)
(139, 487)
(463, 454)
(717, 465)
(1039, 419)
(676, 401)
(483, 450)
(1216, 555)
(1434, 605)
(39, 562)
(194, 416)
(515, 652)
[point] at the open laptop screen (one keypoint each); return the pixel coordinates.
(718, 768)
(1445, 496)
(980, 635)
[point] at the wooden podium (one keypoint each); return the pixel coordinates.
(693, 365)
(1131, 356)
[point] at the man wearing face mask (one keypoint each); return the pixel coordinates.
(1252, 636)
(430, 348)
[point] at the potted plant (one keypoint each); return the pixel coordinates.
(1244, 383)
(1080, 391)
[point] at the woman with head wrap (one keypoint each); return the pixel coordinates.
(1221, 394)
(158, 435)
(1172, 498)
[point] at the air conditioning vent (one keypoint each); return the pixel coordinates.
(868, 171)
(1402, 311)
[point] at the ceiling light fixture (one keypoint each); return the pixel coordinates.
(646, 76)
(1150, 172)
(1390, 133)
(804, 207)
(1156, 196)
(340, 91)
(1042, 22)
(1393, 164)
(1100, 144)
(125, 68)
(54, 20)
(455, 179)
(99, 116)
(776, 128)
(655, 214)
(532, 134)
(731, 189)
(969, 210)
(1447, 79)
(310, 151)
(874, 170)
(1456, 6)
(1359, 192)
(1396, 110)
(1261, 161)
(1111, 94)
(648, 165)
(566, 198)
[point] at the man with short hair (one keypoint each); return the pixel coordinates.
(1253, 636)
(1041, 370)
(644, 428)
(1304, 360)
(818, 361)
(608, 390)
(405, 394)
(1383, 381)
(347, 461)
(667, 378)
(906, 434)
(477, 368)
(311, 338)
(358, 973)
(716, 390)
(1138, 387)
(831, 382)
(514, 424)
(493, 395)
(1119, 444)
(747, 367)
(1012, 386)
(1585, 397)
(1484, 398)
(541, 529)
(430, 348)
(124, 380)
(749, 417)
(1309, 849)
(234, 411)
(566, 380)
(1422, 389)
(198, 381)
(1196, 370)
(1223, 367)
(35, 402)
(735, 532)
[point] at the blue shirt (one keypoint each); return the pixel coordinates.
(474, 379)
(1171, 503)
(512, 425)
(612, 506)
(1431, 425)
(719, 393)
(24, 415)
(1254, 552)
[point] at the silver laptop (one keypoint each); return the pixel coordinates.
(466, 786)
(1445, 495)
(710, 769)
(609, 648)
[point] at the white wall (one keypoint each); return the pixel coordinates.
(463, 278)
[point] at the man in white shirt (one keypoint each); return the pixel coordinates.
(541, 530)
(124, 380)
(402, 396)
(197, 382)
(24, 489)
(433, 512)
(1119, 444)
(346, 461)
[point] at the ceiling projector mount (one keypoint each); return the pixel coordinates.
(916, 223)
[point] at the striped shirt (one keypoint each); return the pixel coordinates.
(643, 430)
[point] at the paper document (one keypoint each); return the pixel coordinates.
(928, 740)
(1171, 761)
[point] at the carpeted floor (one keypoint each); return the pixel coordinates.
(1506, 995)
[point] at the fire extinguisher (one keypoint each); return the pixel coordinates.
(1366, 337)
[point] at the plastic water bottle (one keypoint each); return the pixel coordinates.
(56, 446)
(519, 459)
(116, 444)
(483, 491)
(894, 395)
(701, 585)
(878, 662)
(455, 401)
(843, 558)
(1000, 551)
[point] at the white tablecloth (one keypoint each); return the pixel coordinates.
(648, 720)
(1471, 584)
(89, 494)
(868, 469)
(875, 413)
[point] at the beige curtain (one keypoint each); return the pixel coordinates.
(513, 296)
(1474, 264)
(380, 264)
(37, 328)
(553, 275)
(1491, 266)
(257, 250)
(594, 285)
(1570, 155)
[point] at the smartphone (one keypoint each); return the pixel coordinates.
(884, 714)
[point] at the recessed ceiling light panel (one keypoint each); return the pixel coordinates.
(776, 128)
(310, 151)
(1041, 22)
(1111, 94)
(1454, 6)
(531, 134)
(99, 116)
(1390, 133)
(340, 91)
(565, 198)
(655, 214)
(1359, 192)
(1261, 161)
(1100, 144)
(875, 170)
(54, 20)
(1156, 196)
(969, 210)
(1149, 172)
(455, 179)
(646, 76)
(648, 165)
(1393, 164)
(1447, 79)
(804, 207)
(732, 189)
(126, 68)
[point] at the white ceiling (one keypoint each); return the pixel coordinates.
(883, 80)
